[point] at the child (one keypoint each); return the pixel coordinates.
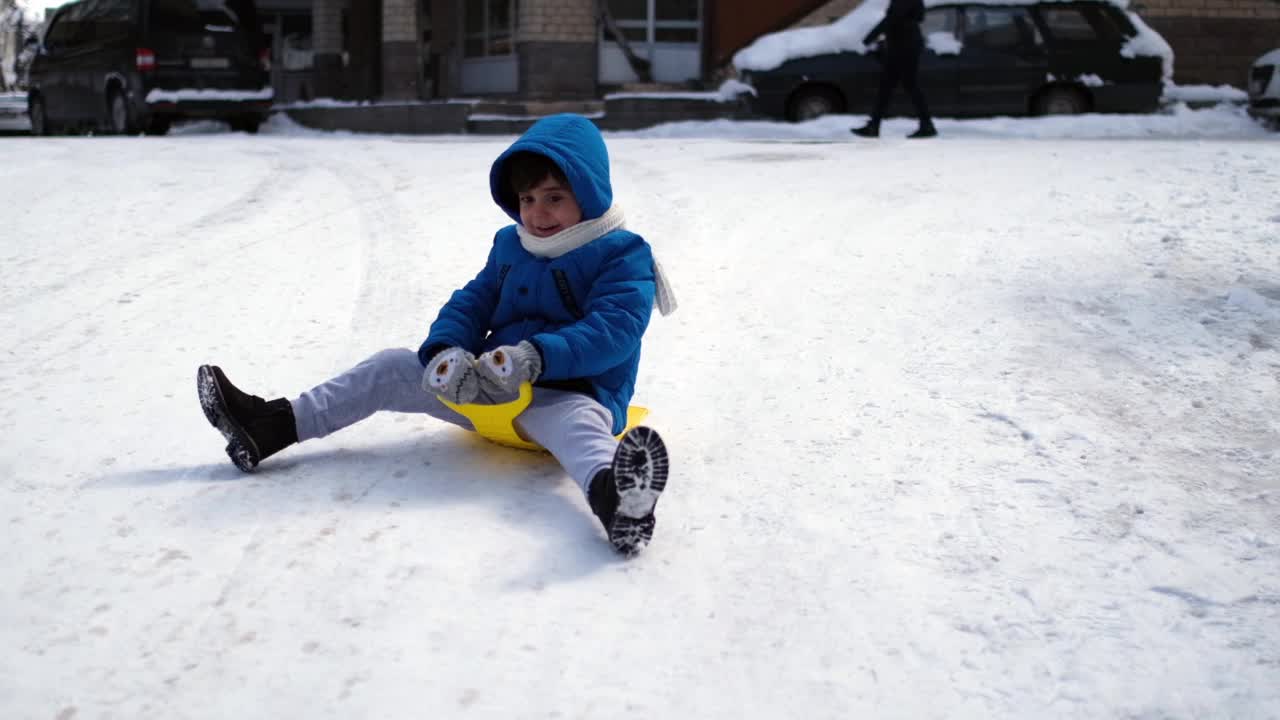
(562, 303)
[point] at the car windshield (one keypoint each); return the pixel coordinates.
(196, 16)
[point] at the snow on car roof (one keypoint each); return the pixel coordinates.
(845, 35)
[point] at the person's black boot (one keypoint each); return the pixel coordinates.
(254, 428)
(624, 495)
(870, 130)
(603, 497)
(926, 130)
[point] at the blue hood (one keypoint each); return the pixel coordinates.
(574, 144)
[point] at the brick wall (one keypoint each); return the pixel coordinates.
(329, 75)
(1214, 41)
(1267, 9)
(557, 48)
(326, 19)
(557, 21)
(399, 20)
(831, 11)
(401, 52)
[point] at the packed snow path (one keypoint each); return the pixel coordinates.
(974, 428)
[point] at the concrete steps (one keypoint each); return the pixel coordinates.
(506, 117)
(629, 109)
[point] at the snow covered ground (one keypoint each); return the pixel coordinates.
(981, 427)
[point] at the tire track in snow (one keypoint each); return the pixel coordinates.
(169, 245)
(160, 274)
(387, 275)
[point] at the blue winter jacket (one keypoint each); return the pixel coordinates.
(584, 311)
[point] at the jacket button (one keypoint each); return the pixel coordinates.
(524, 291)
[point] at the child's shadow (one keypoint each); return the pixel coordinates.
(446, 468)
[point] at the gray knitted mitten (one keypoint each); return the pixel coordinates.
(503, 369)
(451, 374)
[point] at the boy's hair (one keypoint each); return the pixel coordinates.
(525, 170)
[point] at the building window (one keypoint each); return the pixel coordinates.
(657, 21)
(490, 28)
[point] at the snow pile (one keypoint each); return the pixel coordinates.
(1204, 93)
(334, 103)
(200, 127)
(1149, 43)
(200, 94)
(944, 43)
(729, 91)
(846, 34)
(1089, 80)
(279, 123)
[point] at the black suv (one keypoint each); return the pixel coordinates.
(985, 59)
(126, 66)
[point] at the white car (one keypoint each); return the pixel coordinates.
(13, 113)
(1264, 88)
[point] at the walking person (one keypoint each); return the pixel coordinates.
(903, 43)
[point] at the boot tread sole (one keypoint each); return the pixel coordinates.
(640, 468)
(241, 448)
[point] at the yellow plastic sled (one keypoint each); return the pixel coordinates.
(496, 423)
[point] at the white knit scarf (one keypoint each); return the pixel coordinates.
(572, 238)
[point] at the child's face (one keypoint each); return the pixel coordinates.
(548, 208)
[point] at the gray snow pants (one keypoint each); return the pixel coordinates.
(575, 428)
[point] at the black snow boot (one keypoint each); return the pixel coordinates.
(926, 130)
(255, 429)
(870, 130)
(623, 496)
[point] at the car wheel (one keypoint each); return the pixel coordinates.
(1061, 101)
(813, 102)
(119, 121)
(36, 113)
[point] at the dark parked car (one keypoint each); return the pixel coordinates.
(126, 66)
(987, 59)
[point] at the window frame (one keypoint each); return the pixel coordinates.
(651, 25)
(486, 34)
